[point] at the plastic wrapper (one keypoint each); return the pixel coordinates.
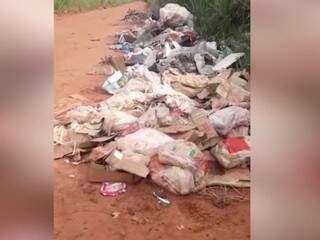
(112, 189)
(115, 82)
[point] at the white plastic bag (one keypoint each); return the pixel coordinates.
(175, 179)
(145, 141)
(85, 114)
(176, 15)
(180, 153)
(125, 100)
(115, 120)
(179, 167)
(228, 118)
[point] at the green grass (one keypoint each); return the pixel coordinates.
(78, 5)
(225, 21)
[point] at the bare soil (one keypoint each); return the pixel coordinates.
(80, 212)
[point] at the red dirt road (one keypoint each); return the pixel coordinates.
(80, 212)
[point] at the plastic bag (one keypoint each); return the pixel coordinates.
(180, 153)
(149, 118)
(136, 84)
(175, 179)
(115, 120)
(125, 100)
(176, 15)
(84, 114)
(179, 167)
(232, 152)
(145, 141)
(228, 118)
(115, 82)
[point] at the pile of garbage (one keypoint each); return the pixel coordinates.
(178, 113)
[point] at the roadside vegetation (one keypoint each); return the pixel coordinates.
(79, 5)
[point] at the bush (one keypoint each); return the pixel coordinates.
(224, 21)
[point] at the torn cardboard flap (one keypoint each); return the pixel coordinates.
(237, 177)
(135, 163)
(60, 151)
(200, 118)
(188, 91)
(102, 151)
(209, 143)
(176, 128)
(103, 139)
(191, 136)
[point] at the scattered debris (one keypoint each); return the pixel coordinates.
(180, 227)
(227, 61)
(115, 214)
(112, 189)
(114, 82)
(162, 199)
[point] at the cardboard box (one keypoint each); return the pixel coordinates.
(101, 173)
